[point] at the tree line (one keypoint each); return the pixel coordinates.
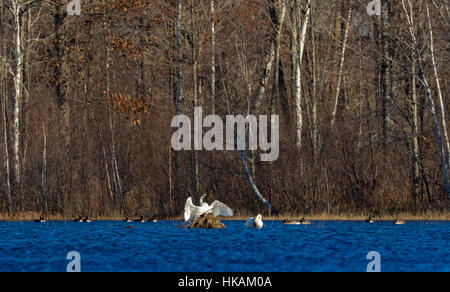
(87, 103)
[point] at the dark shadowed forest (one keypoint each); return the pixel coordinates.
(87, 103)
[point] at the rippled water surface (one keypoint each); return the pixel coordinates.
(164, 246)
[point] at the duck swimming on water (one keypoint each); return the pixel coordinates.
(41, 220)
(153, 220)
(291, 222)
(80, 219)
(87, 220)
(370, 220)
(142, 219)
(304, 222)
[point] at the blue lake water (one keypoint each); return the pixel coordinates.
(164, 246)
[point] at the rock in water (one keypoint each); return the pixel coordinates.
(207, 221)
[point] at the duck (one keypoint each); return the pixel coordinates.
(370, 220)
(142, 219)
(127, 219)
(80, 219)
(304, 222)
(291, 222)
(41, 220)
(153, 220)
(87, 220)
(399, 222)
(255, 223)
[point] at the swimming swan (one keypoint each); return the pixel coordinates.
(192, 212)
(256, 223)
(399, 222)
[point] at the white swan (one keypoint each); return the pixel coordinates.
(256, 223)
(192, 212)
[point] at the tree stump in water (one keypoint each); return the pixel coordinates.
(207, 221)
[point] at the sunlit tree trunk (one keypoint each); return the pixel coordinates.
(276, 71)
(213, 58)
(115, 167)
(268, 59)
(301, 38)
(341, 67)
(315, 127)
(409, 16)
(60, 78)
(438, 88)
(3, 98)
(194, 167)
(386, 73)
(179, 84)
(17, 99)
(415, 130)
(44, 170)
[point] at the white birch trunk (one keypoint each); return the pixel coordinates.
(5, 133)
(213, 58)
(179, 59)
(409, 16)
(341, 68)
(114, 163)
(276, 75)
(195, 167)
(3, 94)
(255, 190)
(179, 85)
(17, 91)
(298, 74)
(44, 170)
(268, 63)
(415, 129)
(438, 88)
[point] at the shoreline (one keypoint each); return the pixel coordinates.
(433, 217)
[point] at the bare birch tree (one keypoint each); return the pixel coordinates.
(438, 87)
(276, 71)
(341, 67)
(302, 25)
(409, 16)
(213, 57)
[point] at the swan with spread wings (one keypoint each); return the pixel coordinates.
(192, 212)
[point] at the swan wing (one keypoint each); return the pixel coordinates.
(203, 209)
(190, 210)
(220, 209)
